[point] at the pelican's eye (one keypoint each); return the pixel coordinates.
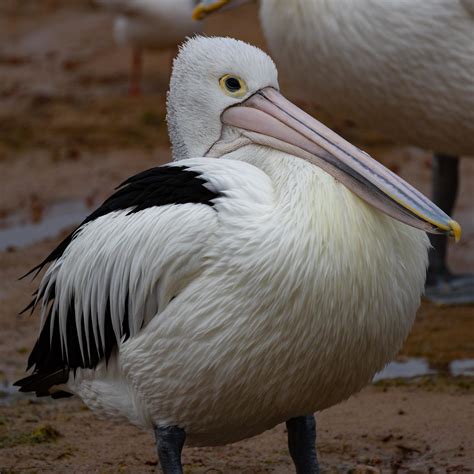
(233, 85)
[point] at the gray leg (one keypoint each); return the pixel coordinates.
(302, 444)
(445, 189)
(441, 285)
(169, 444)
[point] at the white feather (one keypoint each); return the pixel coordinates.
(298, 270)
(149, 255)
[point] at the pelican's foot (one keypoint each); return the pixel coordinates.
(449, 289)
(302, 444)
(169, 444)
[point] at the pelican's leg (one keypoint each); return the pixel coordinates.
(302, 444)
(445, 183)
(136, 72)
(169, 444)
(441, 285)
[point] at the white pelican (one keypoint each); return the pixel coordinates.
(150, 24)
(402, 68)
(255, 280)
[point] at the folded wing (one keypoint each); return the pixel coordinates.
(117, 270)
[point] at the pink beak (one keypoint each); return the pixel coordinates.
(268, 119)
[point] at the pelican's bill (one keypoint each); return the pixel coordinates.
(206, 7)
(267, 118)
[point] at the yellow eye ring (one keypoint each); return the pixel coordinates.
(233, 86)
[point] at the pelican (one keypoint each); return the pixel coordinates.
(150, 24)
(386, 66)
(268, 272)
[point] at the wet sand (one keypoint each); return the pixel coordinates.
(68, 135)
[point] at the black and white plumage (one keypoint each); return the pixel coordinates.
(212, 298)
(72, 336)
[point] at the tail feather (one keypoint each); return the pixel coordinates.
(41, 383)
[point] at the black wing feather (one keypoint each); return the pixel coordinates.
(154, 187)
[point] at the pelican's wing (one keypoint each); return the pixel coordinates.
(119, 268)
(469, 6)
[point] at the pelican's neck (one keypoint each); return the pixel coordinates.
(311, 200)
(296, 183)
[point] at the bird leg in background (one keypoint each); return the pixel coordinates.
(302, 444)
(441, 285)
(169, 444)
(136, 72)
(445, 190)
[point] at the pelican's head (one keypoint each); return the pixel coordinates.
(209, 76)
(224, 94)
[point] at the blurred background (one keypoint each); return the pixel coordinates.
(72, 127)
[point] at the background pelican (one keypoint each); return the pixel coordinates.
(150, 24)
(210, 299)
(388, 67)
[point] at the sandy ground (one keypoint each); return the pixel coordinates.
(68, 134)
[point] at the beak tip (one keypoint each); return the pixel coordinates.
(198, 13)
(456, 230)
(203, 9)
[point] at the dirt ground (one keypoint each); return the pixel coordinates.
(69, 133)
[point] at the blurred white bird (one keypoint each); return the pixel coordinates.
(404, 68)
(268, 273)
(150, 24)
